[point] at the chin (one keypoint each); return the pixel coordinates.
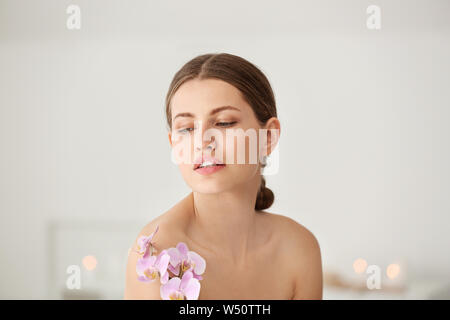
(219, 182)
(210, 186)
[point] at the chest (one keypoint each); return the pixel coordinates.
(259, 279)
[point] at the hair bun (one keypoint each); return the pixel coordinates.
(265, 196)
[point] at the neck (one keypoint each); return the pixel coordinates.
(225, 222)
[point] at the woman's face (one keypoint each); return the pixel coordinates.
(230, 135)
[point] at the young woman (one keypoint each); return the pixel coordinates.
(249, 253)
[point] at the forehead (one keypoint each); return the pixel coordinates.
(201, 96)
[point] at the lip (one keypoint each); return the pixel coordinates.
(207, 170)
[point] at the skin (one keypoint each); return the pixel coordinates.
(249, 254)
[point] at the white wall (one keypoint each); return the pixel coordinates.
(364, 150)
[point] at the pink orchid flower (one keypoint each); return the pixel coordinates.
(186, 288)
(182, 260)
(144, 243)
(151, 267)
(186, 266)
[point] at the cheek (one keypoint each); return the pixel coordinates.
(243, 146)
(241, 173)
(186, 171)
(184, 167)
(182, 151)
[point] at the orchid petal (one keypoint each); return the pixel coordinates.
(199, 262)
(154, 232)
(164, 278)
(192, 290)
(163, 263)
(159, 256)
(183, 249)
(175, 270)
(196, 276)
(144, 279)
(142, 244)
(171, 286)
(187, 276)
(148, 252)
(144, 263)
(175, 258)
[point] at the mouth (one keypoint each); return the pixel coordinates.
(207, 162)
(199, 166)
(208, 168)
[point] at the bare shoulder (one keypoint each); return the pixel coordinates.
(168, 226)
(163, 238)
(295, 233)
(302, 254)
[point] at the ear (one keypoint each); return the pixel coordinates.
(170, 138)
(273, 134)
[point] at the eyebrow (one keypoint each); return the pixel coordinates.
(214, 111)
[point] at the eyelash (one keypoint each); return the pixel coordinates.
(221, 124)
(226, 124)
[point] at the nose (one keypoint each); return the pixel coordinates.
(207, 144)
(201, 139)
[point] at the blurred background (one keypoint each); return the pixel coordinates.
(363, 157)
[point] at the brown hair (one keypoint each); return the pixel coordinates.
(247, 78)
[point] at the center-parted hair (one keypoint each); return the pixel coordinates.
(243, 75)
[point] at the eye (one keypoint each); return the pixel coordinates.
(185, 130)
(226, 124)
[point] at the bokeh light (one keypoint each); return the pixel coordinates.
(392, 270)
(89, 262)
(359, 265)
